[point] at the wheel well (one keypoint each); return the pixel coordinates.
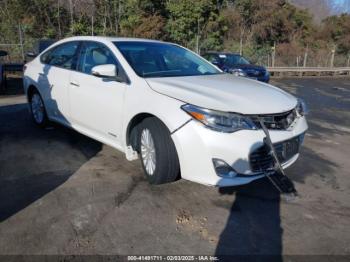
(132, 130)
(31, 90)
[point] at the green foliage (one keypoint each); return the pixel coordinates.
(189, 20)
(143, 18)
(202, 24)
(337, 29)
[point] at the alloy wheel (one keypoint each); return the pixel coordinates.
(37, 108)
(148, 151)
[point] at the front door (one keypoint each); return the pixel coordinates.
(96, 103)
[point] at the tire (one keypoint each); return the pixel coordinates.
(166, 167)
(37, 109)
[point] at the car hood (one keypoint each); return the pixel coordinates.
(225, 92)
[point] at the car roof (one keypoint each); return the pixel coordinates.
(103, 39)
(110, 39)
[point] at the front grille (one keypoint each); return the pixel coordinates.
(276, 121)
(262, 160)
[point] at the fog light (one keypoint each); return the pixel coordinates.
(223, 169)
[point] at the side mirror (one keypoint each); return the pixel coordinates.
(106, 71)
(31, 54)
(3, 53)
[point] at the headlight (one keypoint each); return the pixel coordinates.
(238, 72)
(302, 108)
(219, 121)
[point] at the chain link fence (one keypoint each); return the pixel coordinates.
(17, 52)
(284, 55)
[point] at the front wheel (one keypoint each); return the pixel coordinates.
(158, 153)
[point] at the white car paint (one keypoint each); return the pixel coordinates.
(226, 93)
(103, 110)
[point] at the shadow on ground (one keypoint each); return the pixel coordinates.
(254, 225)
(253, 229)
(35, 161)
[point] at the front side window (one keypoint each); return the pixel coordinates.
(94, 54)
(150, 59)
(63, 55)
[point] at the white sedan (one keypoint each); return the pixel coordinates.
(168, 106)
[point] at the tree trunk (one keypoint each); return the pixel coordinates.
(71, 12)
(332, 58)
(116, 15)
(305, 56)
(21, 41)
(92, 25)
(197, 40)
(273, 54)
(241, 40)
(59, 19)
(104, 21)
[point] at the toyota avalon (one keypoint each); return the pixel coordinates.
(162, 103)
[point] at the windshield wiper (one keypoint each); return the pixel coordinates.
(171, 74)
(160, 73)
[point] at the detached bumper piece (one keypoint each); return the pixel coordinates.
(282, 183)
(279, 179)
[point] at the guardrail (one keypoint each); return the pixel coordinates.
(308, 71)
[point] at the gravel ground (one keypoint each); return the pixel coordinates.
(63, 193)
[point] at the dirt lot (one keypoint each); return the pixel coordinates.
(63, 193)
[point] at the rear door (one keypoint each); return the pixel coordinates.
(54, 76)
(96, 103)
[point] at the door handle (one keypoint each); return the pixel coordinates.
(73, 83)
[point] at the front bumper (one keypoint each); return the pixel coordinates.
(261, 77)
(197, 146)
(265, 78)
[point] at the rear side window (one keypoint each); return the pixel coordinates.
(64, 55)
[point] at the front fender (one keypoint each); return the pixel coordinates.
(146, 101)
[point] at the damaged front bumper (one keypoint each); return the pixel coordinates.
(198, 146)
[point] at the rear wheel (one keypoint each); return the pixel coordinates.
(37, 109)
(157, 151)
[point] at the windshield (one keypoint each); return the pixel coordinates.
(150, 59)
(232, 60)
